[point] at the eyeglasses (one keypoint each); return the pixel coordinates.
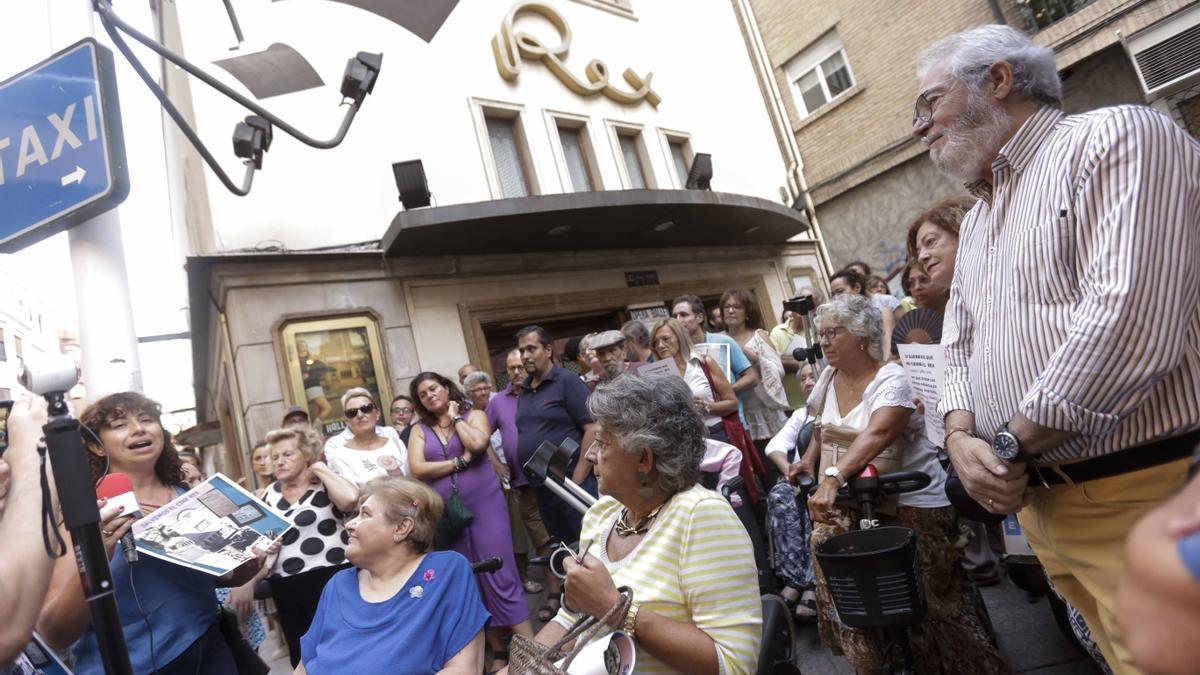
(925, 105)
(367, 409)
(402, 411)
(829, 334)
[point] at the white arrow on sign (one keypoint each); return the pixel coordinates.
(75, 176)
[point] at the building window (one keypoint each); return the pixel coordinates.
(19, 348)
(508, 156)
(819, 74)
(1042, 13)
(504, 147)
(577, 156)
(679, 159)
(327, 357)
(3, 353)
(633, 161)
(679, 153)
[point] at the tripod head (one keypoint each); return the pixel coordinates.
(52, 378)
(804, 305)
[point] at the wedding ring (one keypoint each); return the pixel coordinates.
(106, 533)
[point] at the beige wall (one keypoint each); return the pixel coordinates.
(257, 298)
(257, 304)
(435, 302)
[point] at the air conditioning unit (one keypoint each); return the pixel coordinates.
(1167, 54)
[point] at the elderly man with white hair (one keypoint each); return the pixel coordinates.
(1072, 333)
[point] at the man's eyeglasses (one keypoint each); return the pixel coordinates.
(367, 409)
(925, 105)
(402, 411)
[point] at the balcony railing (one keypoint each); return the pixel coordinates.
(1039, 14)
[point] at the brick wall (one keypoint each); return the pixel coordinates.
(868, 177)
(881, 44)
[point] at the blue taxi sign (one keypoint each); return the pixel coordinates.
(62, 151)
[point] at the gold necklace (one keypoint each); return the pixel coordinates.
(642, 527)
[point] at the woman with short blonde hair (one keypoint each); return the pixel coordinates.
(365, 450)
(308, 442)
(316, 499)
(404, 609)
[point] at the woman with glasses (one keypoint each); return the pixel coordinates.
(763, 406)
(712, 394)
(316, 499)
(364, 450)
(864, 412)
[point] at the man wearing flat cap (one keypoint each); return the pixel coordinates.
(610, 351)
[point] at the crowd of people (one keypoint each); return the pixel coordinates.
(1076, 256)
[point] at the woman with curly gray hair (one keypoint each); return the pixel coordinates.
(677, 545)
(865, 414)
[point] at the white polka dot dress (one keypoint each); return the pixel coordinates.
(319, 538)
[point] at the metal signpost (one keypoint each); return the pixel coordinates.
(62, 151)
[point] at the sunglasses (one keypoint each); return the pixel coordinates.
(367, 409)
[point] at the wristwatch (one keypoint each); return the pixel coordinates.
(834, 472)
(629, 626)
(1007, 447)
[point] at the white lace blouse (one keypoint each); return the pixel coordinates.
(889, 389)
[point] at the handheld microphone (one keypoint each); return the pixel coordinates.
(119, 491)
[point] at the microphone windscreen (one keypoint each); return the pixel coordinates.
(114, 484)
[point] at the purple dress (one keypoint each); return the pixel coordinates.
(489, 535)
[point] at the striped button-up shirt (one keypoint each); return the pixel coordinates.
(1076, 294)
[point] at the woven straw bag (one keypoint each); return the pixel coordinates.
(527, 657)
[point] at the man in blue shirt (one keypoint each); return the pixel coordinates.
(552, 406)
(689, 311)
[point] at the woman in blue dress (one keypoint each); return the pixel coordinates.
(402, 609)
(168, 612)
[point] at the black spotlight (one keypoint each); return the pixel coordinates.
(700, 175)
(411, 183)
(252, 138)
(361, 73)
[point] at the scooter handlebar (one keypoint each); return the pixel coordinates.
(894, 483)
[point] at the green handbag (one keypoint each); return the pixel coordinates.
(455, 518)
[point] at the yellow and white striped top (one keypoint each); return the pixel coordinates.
(695, 565)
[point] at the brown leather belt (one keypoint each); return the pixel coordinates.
(1116, 463)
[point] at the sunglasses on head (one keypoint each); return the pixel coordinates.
(367, 409)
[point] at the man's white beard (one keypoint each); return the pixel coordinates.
(969, 147)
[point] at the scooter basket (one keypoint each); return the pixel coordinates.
(873, 577)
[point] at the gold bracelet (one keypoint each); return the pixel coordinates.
(630, 621)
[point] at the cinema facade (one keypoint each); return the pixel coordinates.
(556, 138)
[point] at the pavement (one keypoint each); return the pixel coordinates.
(1028, 636)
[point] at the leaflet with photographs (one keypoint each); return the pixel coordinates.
(213, 528)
